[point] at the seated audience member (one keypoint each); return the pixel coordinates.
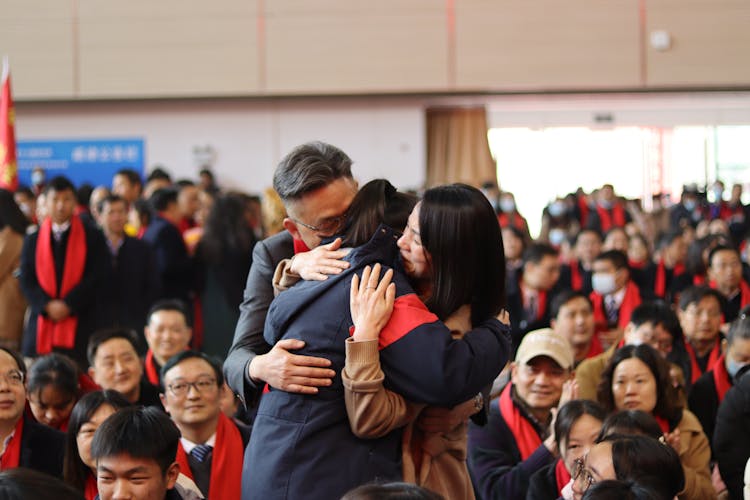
(609, 211)
(573, 318)
(54, 385)
(509, 216)
(672, 251)
(622, 490)
(731, 442)
(79, 469)
(637, 378)
(725, 276)
(134, 450)
(518, 439)
(700, 319)
(577, 426)
(709, 390)
(167, 333)
(616, 239)
(632, 458)
(614, 297)
(133, 283)
(28, 484)
(113, 355)
(26, 442)
(586, 247)
(391, 491)
(212, 446)
(651, 323)
(689, 211)
(639, 253)
(513, 246)
(529, 297)
(631, 422)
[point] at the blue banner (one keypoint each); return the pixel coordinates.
(94, 161)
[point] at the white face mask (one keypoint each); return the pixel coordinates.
(507, 205)
(556, 236)
(603, 283)
(556, 208)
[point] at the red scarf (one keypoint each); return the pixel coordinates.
(660, 283)
(226, 464)
(663, 424)
(609, 220)
(12, 455)
(722, 380)
(151, 374)
(744, 292)
(513, 220)
(49, 333)
(631, 300)
(699, 279)
(583, 208)
(595, 348)
(695, 369)
(91, 490)
(561, 475)
(576, 280)
(526, 437)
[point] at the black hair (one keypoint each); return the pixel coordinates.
(622, 490)
(226, 231)
(184, 356)
(108, 200)
(17, 358)
(667, 406)
(378, 202)
(587, 230)
(56, 370)
(183, 183)
(535, 252)
(570, 412)
(391, 491)
(141, 432)
(162, 198)
(658, 313)
(309, 167)
(83, 193)
(58, 184)
(669, 237)
(169, 305)
(564, 297)
(616, 257)
(74, 470)
(102, 336)
(10, 213)
(694, 262)
(723, 248)
(144, 211)
(22, 483)
(160, 174)
(207, 172)
(628, 422)
(695, 294)
(132, 176)
(615, 229)
(740, 327)
(459, 230)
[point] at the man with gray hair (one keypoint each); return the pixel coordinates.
(315, 183)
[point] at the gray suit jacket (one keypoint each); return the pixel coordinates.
(248, 336)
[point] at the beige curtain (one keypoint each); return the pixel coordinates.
(457, 147)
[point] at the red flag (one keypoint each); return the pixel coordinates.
(8, 165)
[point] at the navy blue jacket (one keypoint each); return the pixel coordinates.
(174, 265)
(302, 445)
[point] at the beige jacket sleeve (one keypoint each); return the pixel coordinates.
(283, 277)
(695, 454)
(373, 410)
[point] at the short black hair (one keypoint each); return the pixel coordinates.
(630, 422)
(695, 294)
(56, 370)
(141, 432)
(58, 184)
(109, 199)
(669, 237)
(162, 198)
(616, 257)
(564, 297)
(182, 183)
(535, 252)
(22, 483)
(184, 356)
(17, 358)
(658, 313)
(722, 248)
(169, 305)
(308, 167)
(132, 176)
(102, 336)
(160, 174)
(83, 193)
(570, 412)
(587, 230)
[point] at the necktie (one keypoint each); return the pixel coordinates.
(611, 307)
(201, 452)
(532, 309)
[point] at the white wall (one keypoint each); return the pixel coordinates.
(384, 137)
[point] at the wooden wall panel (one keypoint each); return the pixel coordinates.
(710, 43)
(330, 46)
(547, 44)
(37, 37)
(168, 48)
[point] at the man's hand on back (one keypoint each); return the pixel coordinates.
(291, 372)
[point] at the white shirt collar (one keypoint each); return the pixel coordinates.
(188, 445)
(618, 296)
(60, 228)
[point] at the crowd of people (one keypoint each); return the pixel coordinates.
(168, 339)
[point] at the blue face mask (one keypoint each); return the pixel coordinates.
(733, 367)
(689, 205)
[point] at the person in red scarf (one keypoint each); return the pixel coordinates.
(62, 267)
(572, 316)
(128, 185)
(509, 216)
(670, 265)
(577, 426)
(518, 439)
(24, 442)
(167, 334)
(637, 378)
(725, 276)
(188, 204)
(614, 297)
(700, 318)
(608, 211)
(212, 446)
(576, 274)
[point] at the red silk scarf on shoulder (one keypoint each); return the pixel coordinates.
(524, 433)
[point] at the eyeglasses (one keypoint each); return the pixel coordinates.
(180, 389)
(13, 377)
(327, 226)
(580, 472)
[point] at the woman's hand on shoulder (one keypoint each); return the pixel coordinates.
(320, 262)
(371, 300)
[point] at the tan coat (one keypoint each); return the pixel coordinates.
(374, 411)
(589, 373)
(12, 302)
(695, 454)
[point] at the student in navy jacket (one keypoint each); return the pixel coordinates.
(302, 446)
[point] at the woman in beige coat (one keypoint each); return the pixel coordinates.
(12, 302)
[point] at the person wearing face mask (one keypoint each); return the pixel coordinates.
(576, 273)
(689, 211)
(508, 214)
(614, 297)
(609, 211)
(717, 207)
(558, 221)
(38, 178)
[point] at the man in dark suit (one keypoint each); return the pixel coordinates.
(315, 183)
(27, 443)
(133, 283)
(173, 264)
(62, 267)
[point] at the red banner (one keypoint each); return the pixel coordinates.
(8, 165)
